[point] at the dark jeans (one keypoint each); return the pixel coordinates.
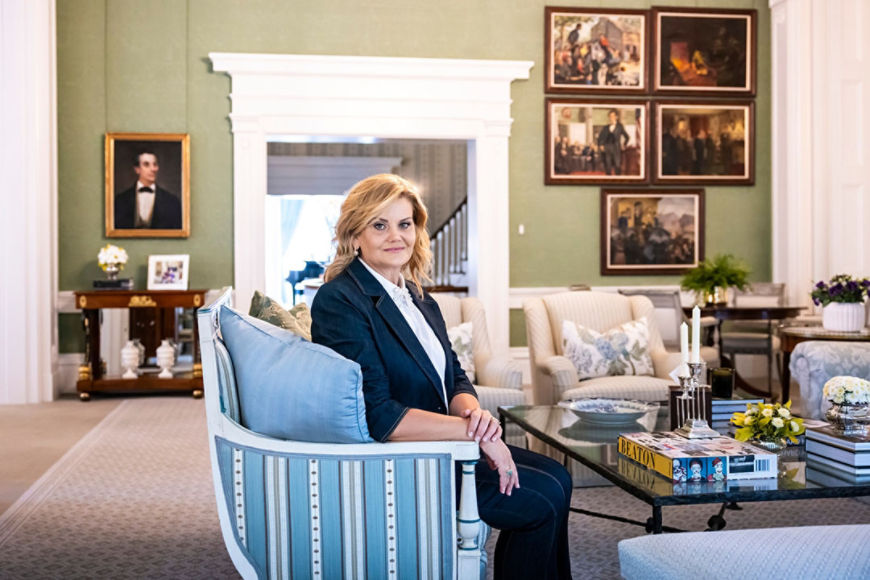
(533, 520)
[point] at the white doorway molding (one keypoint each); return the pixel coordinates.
(820, 53)
(404, 98)
(28, 221)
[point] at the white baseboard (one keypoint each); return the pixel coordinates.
(67, 372)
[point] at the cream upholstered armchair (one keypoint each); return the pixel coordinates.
(554, 377)
(498, 379)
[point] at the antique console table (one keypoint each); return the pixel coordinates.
(91, 374)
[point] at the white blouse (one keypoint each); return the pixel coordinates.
(424, 333)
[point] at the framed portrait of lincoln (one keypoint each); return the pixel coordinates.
(147, 185)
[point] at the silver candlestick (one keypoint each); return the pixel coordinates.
(691, 407)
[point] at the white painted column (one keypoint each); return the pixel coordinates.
(28, 222)
(820, 131)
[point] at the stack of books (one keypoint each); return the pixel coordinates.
(845, 457)
(686, 460)
(723, 409)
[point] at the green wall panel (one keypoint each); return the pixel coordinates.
(128, 65)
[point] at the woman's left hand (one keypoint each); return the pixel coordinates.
(482, 426)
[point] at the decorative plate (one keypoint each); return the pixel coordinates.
(608, 411)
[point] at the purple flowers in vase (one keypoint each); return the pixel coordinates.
(841, 288)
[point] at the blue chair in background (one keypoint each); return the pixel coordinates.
(813, 362)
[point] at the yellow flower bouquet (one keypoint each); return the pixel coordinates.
(765, 422)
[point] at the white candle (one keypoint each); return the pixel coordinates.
(696, 335)
(684, 343)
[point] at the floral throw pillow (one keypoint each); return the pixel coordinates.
(623, 350)
(460, 341)
(297, 320)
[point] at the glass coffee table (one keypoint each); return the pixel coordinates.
(595, 446)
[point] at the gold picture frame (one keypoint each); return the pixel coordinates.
(157, 166)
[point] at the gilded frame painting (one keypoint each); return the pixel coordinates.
(651, 231)
(704, 52)
(147, 185)
(592, 141)
(596, 50)
(709, 143)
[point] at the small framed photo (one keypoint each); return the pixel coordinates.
(168, 272)
(596, 50)
(705, 143)
(596, 141)
(147, 185)
(700, 51)
(651, 231)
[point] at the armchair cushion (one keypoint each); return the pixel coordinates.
(290, 388)
(460, 341)
(623, 350)
(297, 320)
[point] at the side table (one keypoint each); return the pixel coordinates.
(91, 377)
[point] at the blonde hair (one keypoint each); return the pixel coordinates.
(364, 202)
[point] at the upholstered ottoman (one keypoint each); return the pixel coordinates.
(810, 552)
(815, 361)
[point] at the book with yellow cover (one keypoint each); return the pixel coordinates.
(681, 459)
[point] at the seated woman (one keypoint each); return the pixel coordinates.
(373, 310)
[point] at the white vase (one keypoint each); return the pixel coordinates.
(130, 360)
(844, 316)
(165, 359)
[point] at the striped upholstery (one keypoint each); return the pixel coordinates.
(382, 525)
(316, 510)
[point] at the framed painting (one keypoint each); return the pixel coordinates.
(651, 231)
(701, 51)
(147, 185)
(596, 50)
(168, 272)
(705, 143)
(596, 141)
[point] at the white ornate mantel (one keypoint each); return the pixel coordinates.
(820, 53)
(351, 96)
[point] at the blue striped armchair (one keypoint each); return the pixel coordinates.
(309, 510)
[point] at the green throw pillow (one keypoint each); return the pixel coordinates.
(297, 320)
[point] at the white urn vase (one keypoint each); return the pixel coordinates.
(844, 316)
(130, 360)
(165, 359)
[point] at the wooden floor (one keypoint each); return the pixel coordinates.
(34, 437)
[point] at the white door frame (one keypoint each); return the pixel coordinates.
(402, 98)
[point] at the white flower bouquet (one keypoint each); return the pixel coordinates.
(844, 390)
(764, 422)
(111, 254)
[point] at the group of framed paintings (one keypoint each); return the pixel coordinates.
(670, 106)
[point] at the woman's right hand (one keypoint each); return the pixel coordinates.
(499, 457)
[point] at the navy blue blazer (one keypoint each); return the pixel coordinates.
(353, 315)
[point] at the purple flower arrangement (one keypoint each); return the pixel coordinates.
(841, 288)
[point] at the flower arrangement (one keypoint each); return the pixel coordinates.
(111, 254)
(768, 423)
(847, 391)
(841, 288)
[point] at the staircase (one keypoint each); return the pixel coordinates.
(450, 253)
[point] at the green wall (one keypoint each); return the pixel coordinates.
(129, 65)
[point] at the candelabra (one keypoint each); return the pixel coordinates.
(691, 406)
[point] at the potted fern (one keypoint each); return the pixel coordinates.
(711, 278)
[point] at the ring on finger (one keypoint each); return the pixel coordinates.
(509, 472)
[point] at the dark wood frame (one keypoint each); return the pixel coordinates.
(550, 177)
(608, 269)
(183, 178)
(751, 52)
(549, 81)
(656, 165)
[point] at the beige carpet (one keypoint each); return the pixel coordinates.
(133, 499)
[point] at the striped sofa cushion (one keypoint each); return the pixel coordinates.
(309, 516)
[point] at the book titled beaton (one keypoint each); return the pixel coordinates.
(681, 459)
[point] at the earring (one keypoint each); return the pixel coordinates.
(356, 252)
